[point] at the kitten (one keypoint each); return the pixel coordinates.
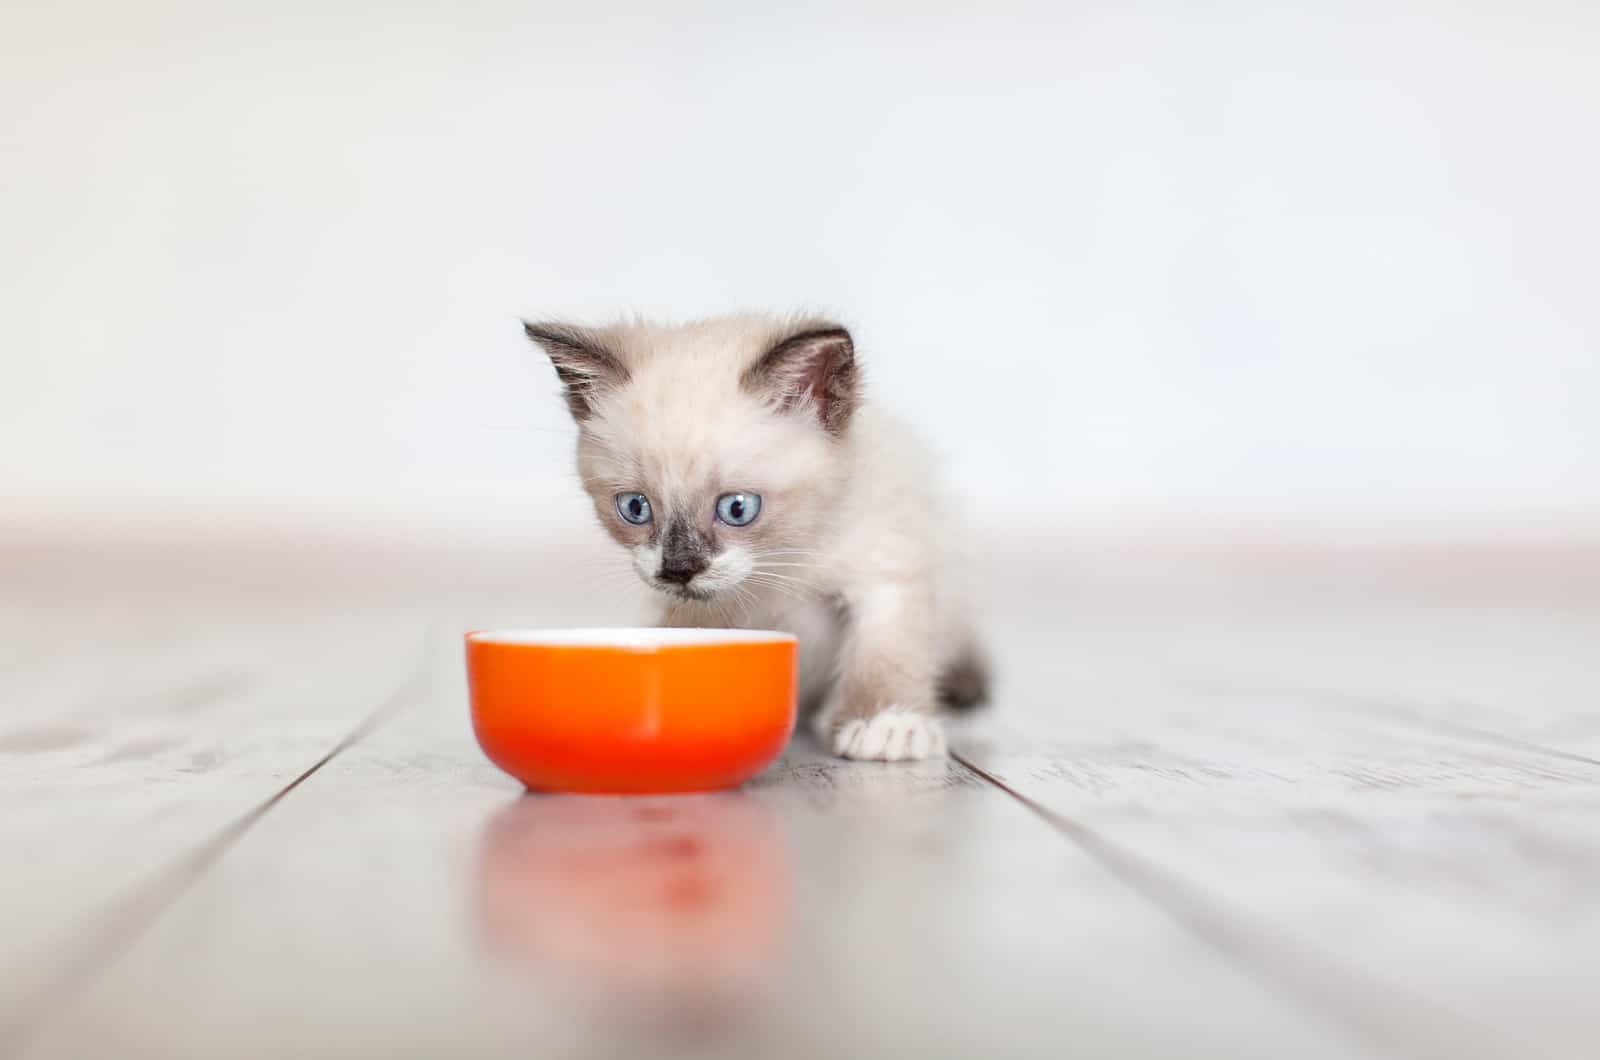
(739, 463)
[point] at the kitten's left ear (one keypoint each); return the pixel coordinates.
(815, 366)
(582, 362)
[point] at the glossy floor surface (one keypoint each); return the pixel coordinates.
(1327, 812)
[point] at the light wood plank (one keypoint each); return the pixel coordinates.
(1457, 868)
(133, 736)
(1316, 771)
(408, 901)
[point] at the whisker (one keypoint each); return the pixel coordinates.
(792, 588)
(788, 579)
(762, 578)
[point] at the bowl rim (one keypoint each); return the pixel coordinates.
(629, 638)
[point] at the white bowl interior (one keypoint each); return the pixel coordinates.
(639, 638)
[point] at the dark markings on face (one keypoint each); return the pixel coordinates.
(582, 362)
(819, 363)
(685, 552)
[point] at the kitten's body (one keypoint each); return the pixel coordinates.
(850, 549)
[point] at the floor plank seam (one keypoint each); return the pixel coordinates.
(124, 920)
(1391, 712)
(1354, 1004)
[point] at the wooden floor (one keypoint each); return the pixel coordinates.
(1323, 812)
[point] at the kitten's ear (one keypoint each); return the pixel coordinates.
(582, 362)
(815, 366)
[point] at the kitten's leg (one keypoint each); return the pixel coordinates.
(882, 707)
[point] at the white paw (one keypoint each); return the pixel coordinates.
(891, 735)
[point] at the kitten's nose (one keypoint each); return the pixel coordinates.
(681, 569)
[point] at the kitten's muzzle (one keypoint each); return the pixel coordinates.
(683, 555)
(681, 570)
(679, 584)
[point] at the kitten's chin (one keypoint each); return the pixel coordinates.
(683, 593)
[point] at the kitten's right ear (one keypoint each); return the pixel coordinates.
(582, 362)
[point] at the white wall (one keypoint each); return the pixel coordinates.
(1341, 259)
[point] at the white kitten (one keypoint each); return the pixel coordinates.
(736, 459)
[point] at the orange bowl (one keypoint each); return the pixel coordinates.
(617, 711)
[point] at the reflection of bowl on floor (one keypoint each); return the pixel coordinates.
(668, 906)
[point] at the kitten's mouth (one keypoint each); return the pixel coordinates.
(683, 592)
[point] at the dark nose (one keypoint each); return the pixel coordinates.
(681, 569)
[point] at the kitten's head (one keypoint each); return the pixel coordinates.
(711, 450)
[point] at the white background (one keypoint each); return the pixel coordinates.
(1333, 261)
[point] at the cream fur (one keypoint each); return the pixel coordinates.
(852, 549)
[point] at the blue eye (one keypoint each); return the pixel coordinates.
(634, 508)
(738, 509)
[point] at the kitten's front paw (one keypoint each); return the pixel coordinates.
(891, 735)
